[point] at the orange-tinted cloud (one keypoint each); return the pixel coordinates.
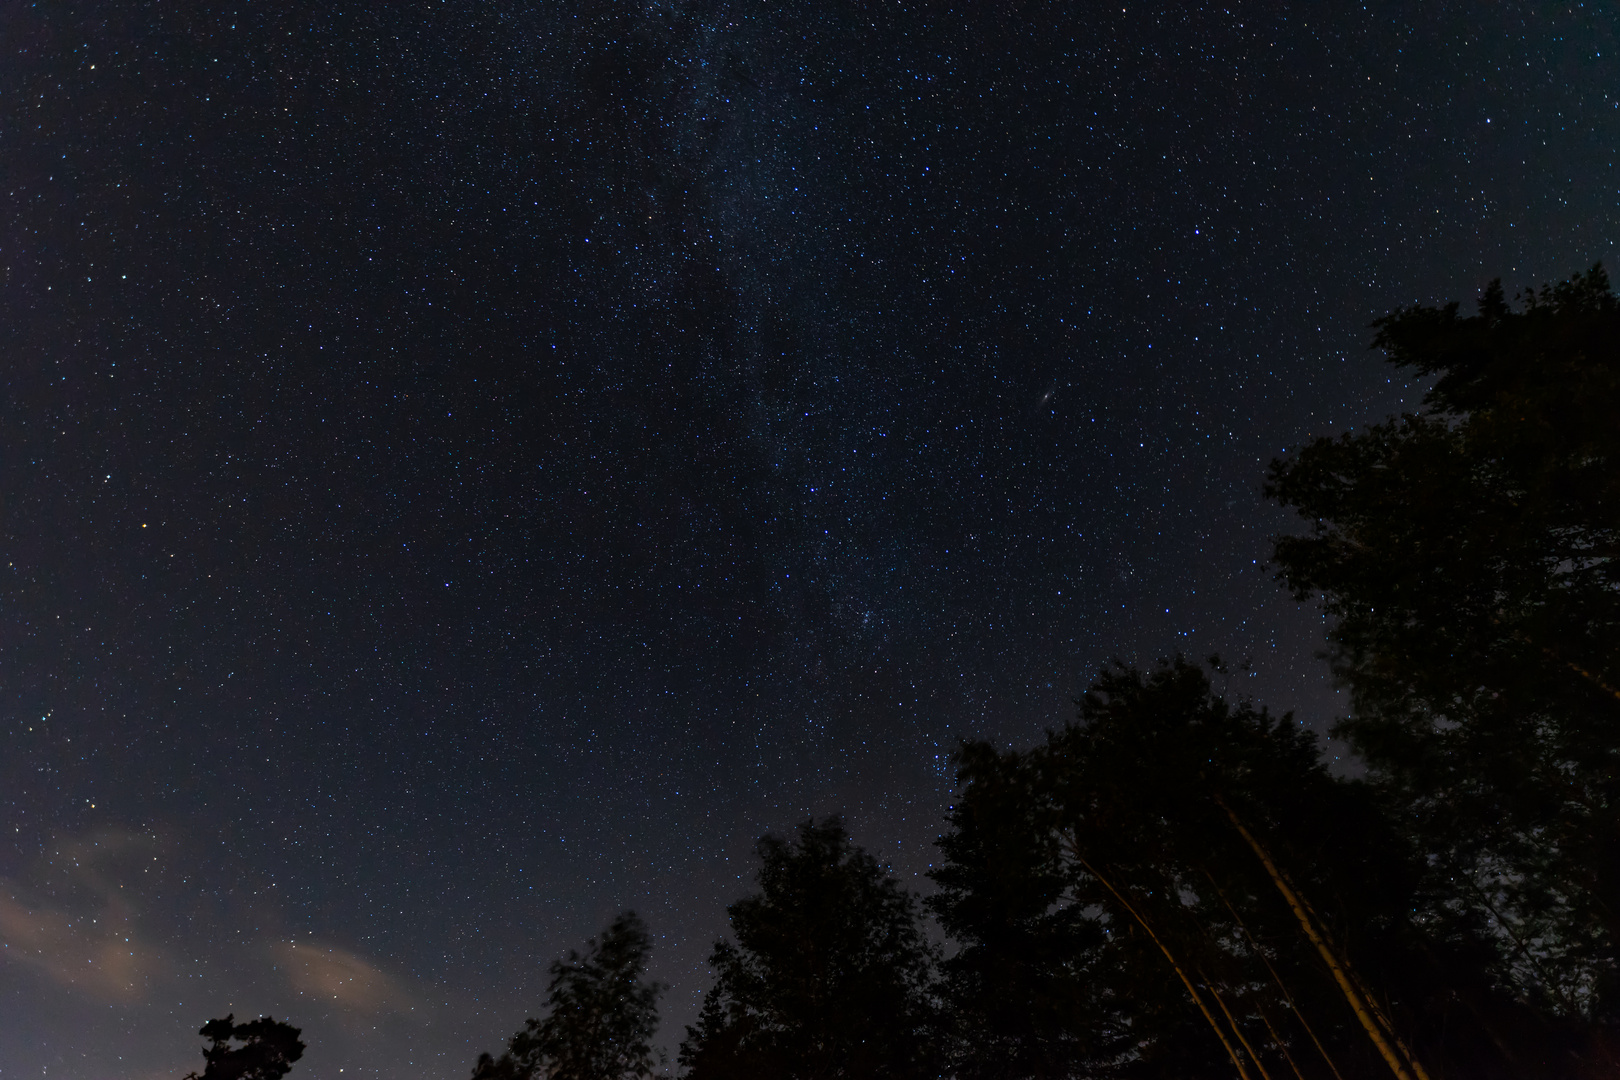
(337, 975)
(98, 954)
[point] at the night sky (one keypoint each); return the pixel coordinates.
(468, 468)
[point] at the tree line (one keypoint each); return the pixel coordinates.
(1175, 884)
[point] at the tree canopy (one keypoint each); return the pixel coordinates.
(1176, 885)
(1142, 835)
(268, 1048)
(1467, 556)
(828, 975)
(601, 1015)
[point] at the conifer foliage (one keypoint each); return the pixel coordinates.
(1469, 555)
(828, 975)
(1144, 831)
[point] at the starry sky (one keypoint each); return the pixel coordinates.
(468, 468)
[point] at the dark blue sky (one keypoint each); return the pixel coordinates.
(466, 469)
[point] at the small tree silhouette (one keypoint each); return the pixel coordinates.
(269, 1048)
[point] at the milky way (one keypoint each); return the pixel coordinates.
(468, 469)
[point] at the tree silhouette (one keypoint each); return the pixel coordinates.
(828, 976)
(1025, 995)
(601, 1015)
(1137, 850)
(1176, 886)
(267, 1051)
(1468, 557)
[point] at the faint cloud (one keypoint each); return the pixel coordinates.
(85, 935)
(334, 974)
(78, 918)
(98, 954)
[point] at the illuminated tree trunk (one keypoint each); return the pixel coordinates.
(1282, 1046)
(1192, 991)
(1287, 996)
(1372, 1018)
(1232, 1020)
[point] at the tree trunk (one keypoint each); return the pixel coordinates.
(1372, 1019)
(1192, 991)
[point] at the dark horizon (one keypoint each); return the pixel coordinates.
(470, 471)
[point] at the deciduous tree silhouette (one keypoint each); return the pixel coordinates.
(601, 1015)
(267, 1051)
(829, 975)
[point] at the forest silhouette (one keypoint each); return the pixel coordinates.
(1175, 884)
